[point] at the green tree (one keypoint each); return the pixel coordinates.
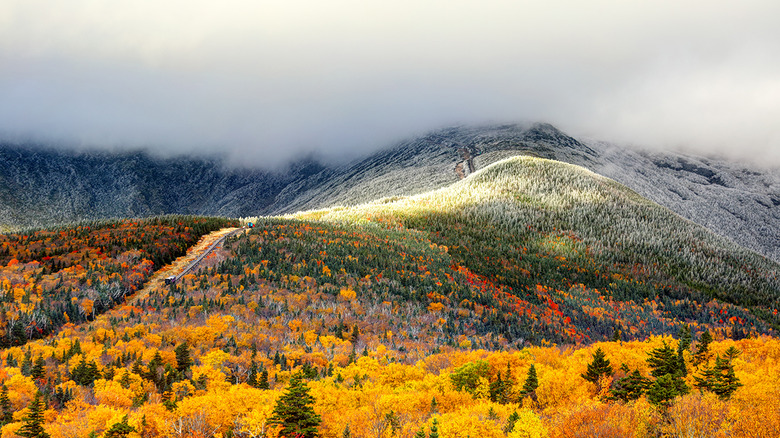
(294, 411)
(630, 387)
(119, 430)
(669, 382)
(39, 369)
(510, 422)
(6, 411)
(599, 367)
(252, 379)
(703, 349)
(663, 391)
(33, 421)
(663, 360)
(466, 377)
(85, 373)
(183, 360)
(719, 379)
(685, 337)
(263, 383)
(434, 429)
(531, 383)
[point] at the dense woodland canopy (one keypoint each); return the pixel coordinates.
(389, 321)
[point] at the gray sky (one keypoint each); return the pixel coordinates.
(268, 80)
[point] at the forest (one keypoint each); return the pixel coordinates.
(406, 318)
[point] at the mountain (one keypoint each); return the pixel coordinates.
(543, 233)
(478, 308)
(40, 186)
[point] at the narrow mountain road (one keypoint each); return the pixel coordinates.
(183, 264)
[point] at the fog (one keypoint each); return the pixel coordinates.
(267, 81)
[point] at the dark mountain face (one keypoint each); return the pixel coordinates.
(40, 187)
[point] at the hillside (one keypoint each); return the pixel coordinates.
(39, 186)
(544, 233)
(429, 313)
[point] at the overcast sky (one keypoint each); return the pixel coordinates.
(266, 81)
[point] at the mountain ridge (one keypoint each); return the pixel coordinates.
(40, 188)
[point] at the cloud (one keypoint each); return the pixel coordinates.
(266, 81)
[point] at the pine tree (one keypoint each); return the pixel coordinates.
(664, 361)
(531, 383)
(420, 434)
(434, 429)
(719, 379)
(630, 387)
(6, 411)
(27, 364)
(617, 335)
(347, 433)
(294, 411)
(33, 421)
(496, 389)
(510, 422)
(685, 337)
(663, 391)
(599, 367)
(119, 430)
(183, 360)
(251, 380)
(702, 350)
(727, 381)
(263, 383)
(39, 369)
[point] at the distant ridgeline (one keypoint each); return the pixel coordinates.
(41, 187)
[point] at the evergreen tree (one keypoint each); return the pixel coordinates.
(630, 387)
(6, 411)
(617, 335)
(420, 434)
(685, 338)
(434, 429)
(703, 349)
(183, 360)
(119, 430)
(731, 353)
(663, 391)
(599, 367)
(294, 411)
(85, 373)
(496, 389)
(33, 421)
(664, 361)
(531, 383)
(39, 369)
(510, 422)
(27, 364)
(251, 380)
(346, 433)
(719, 379)
(263, 383)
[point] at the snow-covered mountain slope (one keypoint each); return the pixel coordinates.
(732, 199)
(39, 187)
